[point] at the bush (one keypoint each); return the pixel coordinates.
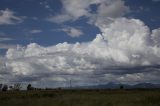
(121, 87)
(29, 87)
(5, 88)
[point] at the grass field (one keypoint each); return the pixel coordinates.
(81, 98)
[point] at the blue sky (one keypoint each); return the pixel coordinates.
(37, 29)
(35, 12)
(35, 15)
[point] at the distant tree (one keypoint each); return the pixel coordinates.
(11, 87)
(29, 87)
(5, 88)
(121, 87)
(1, 85)
(17, 86)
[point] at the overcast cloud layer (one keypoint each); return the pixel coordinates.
(126, 50)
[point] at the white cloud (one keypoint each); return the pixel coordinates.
(34, 31)
(73, 32)
(80, 6)
(113, 9)
(123, 52)
(59, 18)
(8, 17)
(46, 5)
(156, 36)
(74, 9)
(109, 11)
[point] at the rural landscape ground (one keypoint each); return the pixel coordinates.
(134, 97)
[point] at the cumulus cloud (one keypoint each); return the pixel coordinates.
(108, 11)
(71, 31)
(73, 10)
(8, 17)
(125, 51)
(156, 36)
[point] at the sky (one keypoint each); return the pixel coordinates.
(50, 42)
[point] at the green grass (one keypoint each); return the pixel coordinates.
(81, 98)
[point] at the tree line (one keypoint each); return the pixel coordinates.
(18, 87)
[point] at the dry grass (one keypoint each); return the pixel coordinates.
(81, 98)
